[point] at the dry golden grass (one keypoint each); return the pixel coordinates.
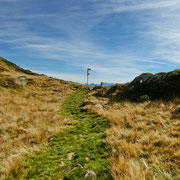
(28, 118)
(144, 139)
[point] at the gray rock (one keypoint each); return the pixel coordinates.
(158, 79)
(151, 79)
(22, 80)
(145, 78)
(142, 78)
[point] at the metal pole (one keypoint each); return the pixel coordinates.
(88, 75)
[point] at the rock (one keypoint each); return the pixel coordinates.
(98, 106)
(151, 78)
(22, 80)
(70, 155)
(85, 103)
(90, 87)
(142, 78)
(160, 85)
(90, 174)
(62, 164)
(145, 78)
(88, 158)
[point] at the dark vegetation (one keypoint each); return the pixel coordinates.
(144, 87)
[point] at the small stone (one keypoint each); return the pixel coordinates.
(22, 80)
(70, 155)
(90, 174)
(88, 158)
(62, 164)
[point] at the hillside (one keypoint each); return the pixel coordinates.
(144, 126)
(124, 132)
(29, 112)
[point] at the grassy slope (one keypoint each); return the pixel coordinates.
(7, 65)
(29, 114)
(72, 152)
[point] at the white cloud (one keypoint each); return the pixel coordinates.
(80, 49)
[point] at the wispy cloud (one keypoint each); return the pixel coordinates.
(94, 35)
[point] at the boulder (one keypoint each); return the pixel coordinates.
(161, 85)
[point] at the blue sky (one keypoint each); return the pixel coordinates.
(118, 39)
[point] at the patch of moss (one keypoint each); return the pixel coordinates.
(177, 71)
(149, 74)
(161, 73)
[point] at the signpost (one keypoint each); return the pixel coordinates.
(88, 73)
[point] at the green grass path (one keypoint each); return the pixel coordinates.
(77, 149)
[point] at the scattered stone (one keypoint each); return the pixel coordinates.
(88, 158)
(62, 164)
(70, 155)
(79, 165)
(90, 174)
(90, 87)
(22, 80)
(71, 168)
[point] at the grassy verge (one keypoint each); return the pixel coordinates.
(73, 152)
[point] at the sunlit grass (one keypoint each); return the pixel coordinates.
(144, 138)
(29, 116)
